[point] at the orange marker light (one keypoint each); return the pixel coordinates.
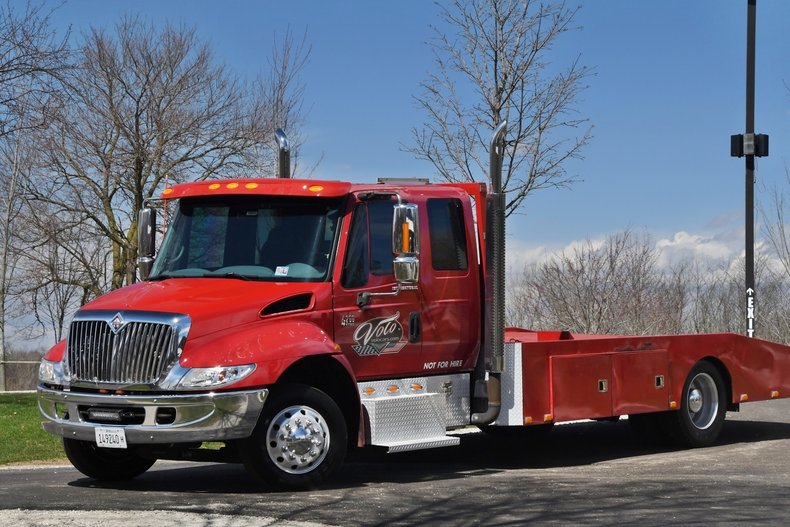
(774, 394)
(405, 239)
(369, 391)
(744, 397)
(167, 191)
(214, 186)
(250, 186)
(231, 186)
(392, 388)
(315, 188)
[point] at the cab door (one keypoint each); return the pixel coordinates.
(449, 287)
(379, 334)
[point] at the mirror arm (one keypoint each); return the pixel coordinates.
(363, 299)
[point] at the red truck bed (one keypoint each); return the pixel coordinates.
(565, 376)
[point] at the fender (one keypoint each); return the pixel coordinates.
(272, 346)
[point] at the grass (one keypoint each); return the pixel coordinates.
(21, 437)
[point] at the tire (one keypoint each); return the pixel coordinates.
(299, 441)
(703, 408)
(107, 464)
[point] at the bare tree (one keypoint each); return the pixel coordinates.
(66, 265)
(776, 222)
(613, 287)
(616, 287)
(715, 293)
(32, 61)
(281, 95)
(496, 66)
(146, 107)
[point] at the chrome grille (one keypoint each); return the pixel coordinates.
(135, 352)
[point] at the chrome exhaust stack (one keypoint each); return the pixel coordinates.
(494, 330)
(283, 154)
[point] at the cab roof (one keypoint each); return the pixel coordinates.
(298, 187)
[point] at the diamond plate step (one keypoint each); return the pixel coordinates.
(409, 422)
(421, 445)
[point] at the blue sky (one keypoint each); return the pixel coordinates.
(668, 91)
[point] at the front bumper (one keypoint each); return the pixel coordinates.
(218, 416)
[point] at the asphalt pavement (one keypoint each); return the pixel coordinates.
(584, 474)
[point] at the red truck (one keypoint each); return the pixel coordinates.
(286, 321)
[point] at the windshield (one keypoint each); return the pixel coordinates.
(261, 238)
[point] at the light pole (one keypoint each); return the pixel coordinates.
(750, 145)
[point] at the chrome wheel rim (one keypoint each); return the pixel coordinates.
(702, 401)
(297, 439)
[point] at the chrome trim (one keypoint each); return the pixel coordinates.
(109, 366)
(217, 416)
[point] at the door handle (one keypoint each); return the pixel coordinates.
(414, 327)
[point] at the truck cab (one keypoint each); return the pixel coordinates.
(347, 304)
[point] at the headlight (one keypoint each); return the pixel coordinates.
(50, 372)
(215, 377)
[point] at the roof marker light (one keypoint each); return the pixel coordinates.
(231, 186)
(315, 188)
(250, 186)
(214, 186)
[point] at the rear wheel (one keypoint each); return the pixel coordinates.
(702, 409)
(105, 463)
(300, 438)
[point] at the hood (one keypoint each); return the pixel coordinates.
(212, 303)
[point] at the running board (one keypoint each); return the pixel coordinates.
(422, 445)
(408, 421)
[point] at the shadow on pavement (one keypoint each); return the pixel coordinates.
(568, 445)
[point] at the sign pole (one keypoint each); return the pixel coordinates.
(749, 206)
(750, 145)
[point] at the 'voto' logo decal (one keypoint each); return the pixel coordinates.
(379, 336)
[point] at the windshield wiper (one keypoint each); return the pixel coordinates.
(160, 276)
(237, 276)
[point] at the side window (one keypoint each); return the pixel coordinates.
(447, 233)
(380, 237)
(369, 244)
(355, 268)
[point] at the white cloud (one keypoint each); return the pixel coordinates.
(697, 247)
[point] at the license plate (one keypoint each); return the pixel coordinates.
(110, 437)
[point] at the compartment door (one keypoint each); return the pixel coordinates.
(581, 386)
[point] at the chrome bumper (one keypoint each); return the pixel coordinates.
(202, 417)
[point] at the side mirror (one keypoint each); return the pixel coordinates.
(405, 230)
(146, 241)
(406, 243)
(406, 269)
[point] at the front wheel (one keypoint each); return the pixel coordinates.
(105, 463)
(703, 407)
(300, 438)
